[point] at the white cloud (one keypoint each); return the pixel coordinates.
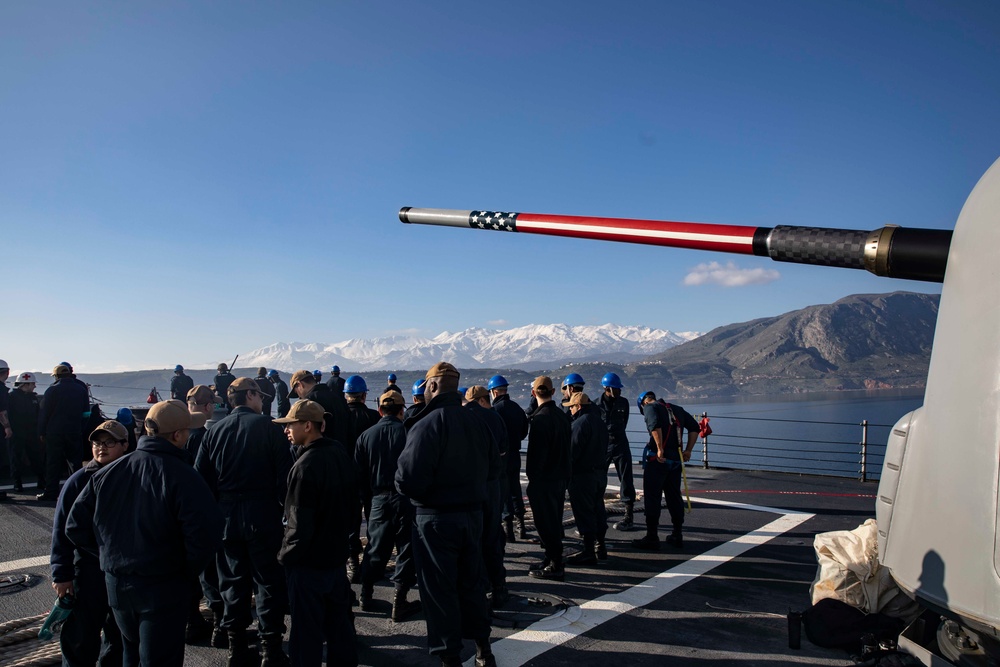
(729, 275)
(497, 323)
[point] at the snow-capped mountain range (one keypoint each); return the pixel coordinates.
(530, 347)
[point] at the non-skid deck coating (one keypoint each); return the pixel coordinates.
(722, 600)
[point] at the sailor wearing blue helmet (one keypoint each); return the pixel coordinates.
(517, 430)
(180, 384)
(280, 392)
(392, 386)
(418, 399)
(359, 419)
(614, 411)
(336, 383)
(571, 384)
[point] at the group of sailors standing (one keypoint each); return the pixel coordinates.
(238, 509)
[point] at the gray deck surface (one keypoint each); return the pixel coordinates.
(709, 608)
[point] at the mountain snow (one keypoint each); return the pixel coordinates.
(530, 347)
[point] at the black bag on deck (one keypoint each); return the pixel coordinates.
(831, 623)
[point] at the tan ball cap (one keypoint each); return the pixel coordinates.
(170, 416)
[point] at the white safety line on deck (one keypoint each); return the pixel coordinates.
(12, 565)
(520, 647)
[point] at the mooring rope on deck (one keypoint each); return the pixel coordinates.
(21, 647)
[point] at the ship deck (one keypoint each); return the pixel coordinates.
(747, 560)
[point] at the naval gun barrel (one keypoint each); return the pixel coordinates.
(891, 251)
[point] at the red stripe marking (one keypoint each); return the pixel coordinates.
(528, 222)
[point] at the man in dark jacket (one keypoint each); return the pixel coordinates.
(180, 384)
(443, 470)
(77, 572)
(359, 419)
(280, 392)
(266, 390)
(151, 519)
(335, 383)
(614, 409)
(245, 459)
(202, 400)
(418, 400)
(588, 448)
(60, 423)
(222, 381)
(392, 386)
(390, 515)
(360, 416)
(663, 467)
(22, 411)
(336, 427)
(548, 470)
(321, 485)
(516, 423)
(478, 403)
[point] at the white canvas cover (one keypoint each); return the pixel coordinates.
(849, 571)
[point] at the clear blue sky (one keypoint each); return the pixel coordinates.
(180, 182)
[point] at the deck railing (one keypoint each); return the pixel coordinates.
(838, 449)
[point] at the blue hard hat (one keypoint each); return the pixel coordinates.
(335, 369)
(462, 390)
(611, 380)
(272, 373)
(573, 378)
(638, 400)
(67, 365)
(355, 385)
(125, 417)
(178, 368)
(497, 381)
(418, 387)
(392, 377)
(317, 372)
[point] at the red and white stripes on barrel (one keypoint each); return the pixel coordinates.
(700, 236)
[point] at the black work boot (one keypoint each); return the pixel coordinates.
(651, 542)
(509, 528)
(522, 532)
(484, 654)
(601, 549)
(401, 607)
(540, 564)
(367, 604)
(586, 555)
(626, 522)
(451, 661)
(675, 538)
(499, 596)
(239, 653)
(553, 571)
(18, 485)
(272, 654)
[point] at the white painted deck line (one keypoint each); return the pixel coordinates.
(560, 628)
(12, 565)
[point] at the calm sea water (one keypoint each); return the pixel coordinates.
(813, 433)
